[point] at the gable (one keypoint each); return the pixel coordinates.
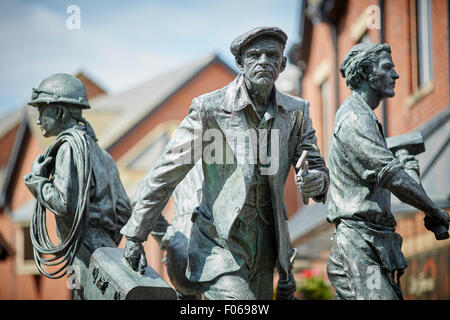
(93, 89)
(26, 148)
(174, 106)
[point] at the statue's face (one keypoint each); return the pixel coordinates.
(48, 120)
(262, 61)
(382, 76)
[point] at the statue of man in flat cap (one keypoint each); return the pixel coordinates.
(76, 180)
(247, 135)
(366, 261)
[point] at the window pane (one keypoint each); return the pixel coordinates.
(27, 244)
(424, 42)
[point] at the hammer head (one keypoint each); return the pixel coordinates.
(413, 142)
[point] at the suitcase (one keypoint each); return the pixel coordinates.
(111, 278)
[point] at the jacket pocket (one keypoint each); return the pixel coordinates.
(198, 212)
(205, 225)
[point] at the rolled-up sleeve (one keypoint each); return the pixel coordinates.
(57, 194)
(366, 150)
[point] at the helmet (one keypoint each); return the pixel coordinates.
(60, 88)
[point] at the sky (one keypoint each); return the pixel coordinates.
(120, 43)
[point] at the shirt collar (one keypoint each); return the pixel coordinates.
(362, 103)
(237, 97)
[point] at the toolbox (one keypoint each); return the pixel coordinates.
(111, 278)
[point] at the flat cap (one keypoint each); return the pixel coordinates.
(244, 39)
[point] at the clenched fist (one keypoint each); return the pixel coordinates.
(311, 184)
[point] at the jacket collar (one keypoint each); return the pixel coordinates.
(361, 102)
(237, 97)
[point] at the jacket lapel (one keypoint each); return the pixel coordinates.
(283, 124)
(233, 124)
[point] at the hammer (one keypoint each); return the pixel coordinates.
(412, 144)
(302, 166)
(404, 145)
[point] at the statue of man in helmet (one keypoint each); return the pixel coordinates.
(76, 180)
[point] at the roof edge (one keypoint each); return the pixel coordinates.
(12, 161)
(427, 129)
(215, 58)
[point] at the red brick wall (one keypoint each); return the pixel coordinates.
(13, 285)
(30, 150)
(7, 274)
(321, 51)
(93, 90)
(401, 117)
(6, 145)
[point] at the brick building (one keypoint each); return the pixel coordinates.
(417, 31)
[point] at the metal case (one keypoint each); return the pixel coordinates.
(110, 278)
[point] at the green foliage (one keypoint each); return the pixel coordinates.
(313, 288)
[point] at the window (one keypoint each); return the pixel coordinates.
(5, 249)
(422, 43)
(24, 248)
(27, 245)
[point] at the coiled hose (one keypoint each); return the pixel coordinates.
(64, 253)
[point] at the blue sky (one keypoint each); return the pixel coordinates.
(121, 43)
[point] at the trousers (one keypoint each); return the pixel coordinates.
(356, 270)
(95, 238)
(254, 242)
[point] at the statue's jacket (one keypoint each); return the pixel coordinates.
(226, 183)
(109, 206)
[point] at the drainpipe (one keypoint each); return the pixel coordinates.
(382, 40)
(333, 26)
(334, 35)
(301, 32)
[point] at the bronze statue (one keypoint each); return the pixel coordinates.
(366, 261)
(247, 135)
(76, 180)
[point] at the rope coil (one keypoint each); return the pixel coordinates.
(64, 253)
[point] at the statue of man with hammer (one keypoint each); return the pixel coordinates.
(364, 172)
